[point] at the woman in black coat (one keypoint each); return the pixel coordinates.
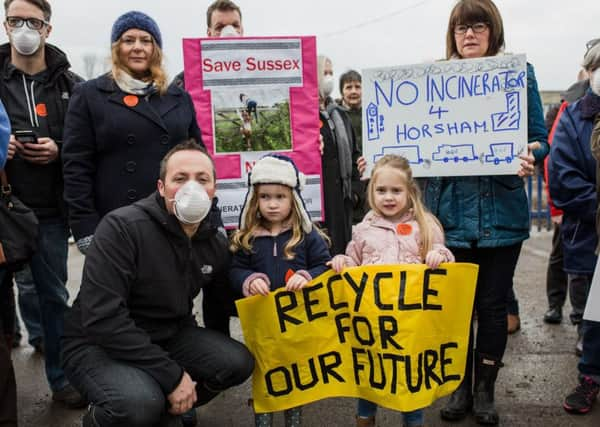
(120, 125)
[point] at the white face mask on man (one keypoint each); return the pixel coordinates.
(191, 203)
(229, 31)
(595, 81)
(326, 85)
(25, 40)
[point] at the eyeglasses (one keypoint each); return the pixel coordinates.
(591, 44)
(478, 27)
(33, 23)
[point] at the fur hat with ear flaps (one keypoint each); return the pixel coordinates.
(277, 169)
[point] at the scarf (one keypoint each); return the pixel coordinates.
(340, 133)
(128, 84)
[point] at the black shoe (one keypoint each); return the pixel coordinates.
(553, 316)
(581, 399)
(69, 397)
(460, 403)
(189, 419)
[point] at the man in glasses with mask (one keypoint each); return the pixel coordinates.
(35, 88)
(131, 333)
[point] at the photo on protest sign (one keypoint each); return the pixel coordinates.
(254, 96)
(396, 335)
(448, 118)
(252, 120)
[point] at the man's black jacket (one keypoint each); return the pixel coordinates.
(140, 277)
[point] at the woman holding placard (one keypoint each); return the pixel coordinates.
(485, 218)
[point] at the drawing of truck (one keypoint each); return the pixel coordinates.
(500, 152)
(455, 153)
(409, 152)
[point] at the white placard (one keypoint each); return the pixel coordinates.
(448, 118)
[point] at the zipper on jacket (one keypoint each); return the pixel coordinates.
(275, 259)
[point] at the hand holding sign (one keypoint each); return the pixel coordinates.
(528, 165)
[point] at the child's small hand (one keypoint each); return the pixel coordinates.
(258, 287)
(295, 282)
(434, 258)
(337, 263)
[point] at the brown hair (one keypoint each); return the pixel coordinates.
(349, 77)
(43, 5)
(187, 145)
(423, 217)
(470, 12)
(156, 72)
(223, 6)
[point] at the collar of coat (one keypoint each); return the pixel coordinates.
(56, 62)
(590, 105)
(378, 221)
(107, 84)
(155, 208)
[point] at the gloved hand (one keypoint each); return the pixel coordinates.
(84, 243)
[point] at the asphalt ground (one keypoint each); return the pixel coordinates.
(540, 369)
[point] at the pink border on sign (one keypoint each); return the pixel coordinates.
(304, 110)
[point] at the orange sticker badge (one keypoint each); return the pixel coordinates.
(41, 110)
(288, 274)
(320, 124)
(404, 229)
(131, 100)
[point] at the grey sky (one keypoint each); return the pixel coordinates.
(355, 34)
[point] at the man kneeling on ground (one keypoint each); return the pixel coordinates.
(131, 344)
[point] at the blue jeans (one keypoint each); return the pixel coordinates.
(49, 272)
(29, 306)
(123, 395)
(369, 409)
(589, 365)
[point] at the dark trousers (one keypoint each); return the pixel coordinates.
(496, 269)
(556, 279)
(122, 395)
(218, 305)
(589, 365)
(8, 386)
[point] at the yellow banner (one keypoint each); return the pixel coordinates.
(396, 335)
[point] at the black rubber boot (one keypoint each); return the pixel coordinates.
(486, 372)
(461, 400)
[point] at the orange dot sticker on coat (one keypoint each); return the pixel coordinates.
(131, 100)
(288, 274)
(40, 110)
(320, 124)
(404, 229)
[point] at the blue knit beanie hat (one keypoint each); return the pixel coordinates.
(135, 19)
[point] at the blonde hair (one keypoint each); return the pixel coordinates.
(242, 238)
(156, 73)
(422, 215)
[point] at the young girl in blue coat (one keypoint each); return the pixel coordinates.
(277, 245)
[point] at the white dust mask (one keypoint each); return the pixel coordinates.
(229, 31)
(25, 40)
(191, 203)
(595, 82)
(326, 86)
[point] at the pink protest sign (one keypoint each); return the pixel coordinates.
(255, 96)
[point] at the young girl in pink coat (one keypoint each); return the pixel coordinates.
(397, 230)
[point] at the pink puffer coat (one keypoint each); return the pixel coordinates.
(377, 240)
